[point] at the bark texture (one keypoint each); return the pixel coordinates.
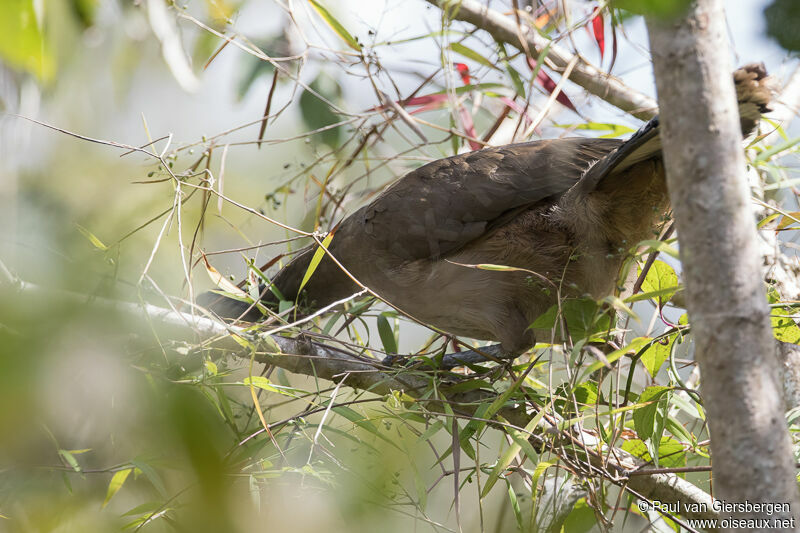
(752, 454)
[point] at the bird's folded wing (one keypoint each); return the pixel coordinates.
(440, 207)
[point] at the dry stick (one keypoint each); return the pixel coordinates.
(302, 356)
(267, 108)
(505, 30)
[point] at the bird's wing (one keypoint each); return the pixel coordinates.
(442, 206)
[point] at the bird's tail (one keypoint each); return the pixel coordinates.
(753, 92)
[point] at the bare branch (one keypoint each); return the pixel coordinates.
(307, 357)
(505, 30)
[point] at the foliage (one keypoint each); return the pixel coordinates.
(782, 18)
(114, 425)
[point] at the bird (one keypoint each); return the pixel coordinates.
(555, 217)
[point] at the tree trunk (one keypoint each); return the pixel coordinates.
(751, 449)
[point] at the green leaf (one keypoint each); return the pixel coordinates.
(671, 452)
(22, 43)
(387, 334)
(634, 346)
(474, 426)
(115, 484)
(774, 150)
(785, 329)
(431, 431)
(615, 129)
(585, 396)
(263, 383)
(645, 418)
(515, 506)
(516, 79)
(283, 305)
(69, 457)
(85, 10)
(581, 519)
(783, 19)
(315, 260)
(653, 358)
(508, 456)
(151, 475)
(675, 427)
(420, 486)
(97, 243)
(582, 315)
(147, 507)
(224, 404)
(254, 68)
(661, 246)
(335, 25)
(638, 297)
(686, 406)
(665, 9)
(469, 53)
(317, 113)
(661, 279)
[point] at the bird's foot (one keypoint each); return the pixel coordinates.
(494, 352)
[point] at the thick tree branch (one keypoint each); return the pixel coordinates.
(307, 357)
(724, 291)
(505, 30)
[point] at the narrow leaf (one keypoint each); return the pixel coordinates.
(387, 334)
(634, 346)
(778, 148)
(335, 25)
(661, 246)
(515, 506)
(549, 85)
(221, 281)
(151, 474)
(97, 243)
(469, 53)
(70, 459)
(512, 451)
(469, 127)
(117, 480)
(645, 419)
(315, 260)
(598, 29)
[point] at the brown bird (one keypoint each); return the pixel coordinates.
(567, 211)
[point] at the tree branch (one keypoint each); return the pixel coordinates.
(311, 358)
(725, 295)
(505, 30)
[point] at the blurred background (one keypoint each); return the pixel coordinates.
(107, 423)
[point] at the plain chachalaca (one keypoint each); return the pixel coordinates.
(567, 211)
